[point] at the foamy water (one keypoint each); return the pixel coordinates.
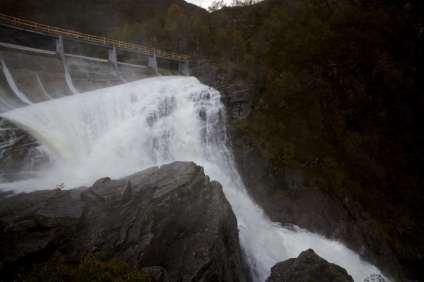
(123, 129)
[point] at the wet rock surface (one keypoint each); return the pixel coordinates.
(308, 266)
(172, 221)
(19, 154)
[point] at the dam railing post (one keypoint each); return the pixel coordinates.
(152, 61)
(184, 68)
(113, 57)
(60, 50)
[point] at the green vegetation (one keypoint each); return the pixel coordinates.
(89, 269)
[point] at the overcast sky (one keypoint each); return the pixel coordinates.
(204, 3)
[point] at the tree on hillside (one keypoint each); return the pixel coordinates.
(219, 4)
(216, 5)
(244, 2)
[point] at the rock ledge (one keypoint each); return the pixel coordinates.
(172, 218)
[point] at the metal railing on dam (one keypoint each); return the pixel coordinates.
(93, 39)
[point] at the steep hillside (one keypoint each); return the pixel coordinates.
(338, 100)
(98, 17)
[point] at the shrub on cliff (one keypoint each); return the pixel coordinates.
(90, 269)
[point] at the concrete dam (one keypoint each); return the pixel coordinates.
(40, 62)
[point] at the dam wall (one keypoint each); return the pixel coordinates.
(36, 67)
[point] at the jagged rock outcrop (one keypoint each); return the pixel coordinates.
(308, 266)
(172, 221)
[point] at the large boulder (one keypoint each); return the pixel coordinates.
(308, 267)
(171, 218)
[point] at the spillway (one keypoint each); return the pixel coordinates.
(122, 129)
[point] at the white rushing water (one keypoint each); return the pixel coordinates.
(123, 129)
(21, 96)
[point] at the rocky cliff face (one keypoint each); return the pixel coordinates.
(308, 267)
(172, 218)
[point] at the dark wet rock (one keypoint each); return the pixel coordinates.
(18, 153)
(308, 266)
(172, 221)
(157, 273)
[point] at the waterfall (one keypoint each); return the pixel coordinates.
(43, 89)
(21, 96)
(123, 129)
